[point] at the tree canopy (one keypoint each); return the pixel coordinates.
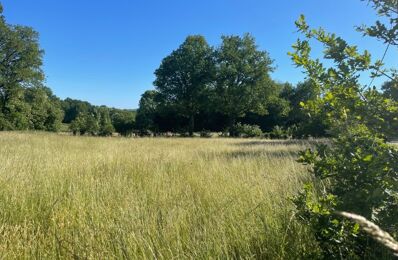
(203, 88)
(24, 101)
(243, 83)
(184, 77)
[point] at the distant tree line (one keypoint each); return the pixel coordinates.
(203, 88)
(198, 88)
(27, 104)
(228, 88)
(84, 118)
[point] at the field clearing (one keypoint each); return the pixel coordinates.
(149, 198)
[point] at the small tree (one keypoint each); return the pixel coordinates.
(85, 124)
(123, 121)
(105, 123)
(92, 126)
(146, 113)
(77, 126)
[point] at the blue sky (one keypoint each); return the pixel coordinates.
(105, 52)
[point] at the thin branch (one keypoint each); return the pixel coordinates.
(377, 70)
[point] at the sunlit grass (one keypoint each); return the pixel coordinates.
(101, 198)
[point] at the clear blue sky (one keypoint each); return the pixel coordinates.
(105, 52)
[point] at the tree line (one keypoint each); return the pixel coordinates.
(27, 104)
(229, 88)
(84, 118)
(198, 88)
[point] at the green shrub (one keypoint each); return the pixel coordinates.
(243, 130)
(358, 170)
(282, 133)
(205, 134)
(357, 173)
(290, 132)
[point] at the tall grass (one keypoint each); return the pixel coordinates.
(101, 198)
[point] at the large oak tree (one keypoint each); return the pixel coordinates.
(243, 83)
(185, 76)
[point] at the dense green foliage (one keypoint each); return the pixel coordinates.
(243, 130)
(200, 88)
(358, 170)
(390, 90)
(85, 118)
(243, 83)
(123, 121)
(24, 102)
(184, 76)
(72, 108)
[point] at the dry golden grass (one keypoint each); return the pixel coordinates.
(374, 231)
(101, 198)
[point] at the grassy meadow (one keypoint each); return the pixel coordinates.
(149, 198)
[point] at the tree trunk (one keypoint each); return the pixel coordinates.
(191, 124)
(231, 124)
